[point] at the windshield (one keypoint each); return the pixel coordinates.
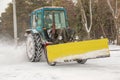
(56, 17)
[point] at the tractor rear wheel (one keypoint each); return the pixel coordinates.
(34, 47)
(83, 61)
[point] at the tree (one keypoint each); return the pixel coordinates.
(102, 21)
(7, 20)
(115, 13)
(85, 17)
(24, 8)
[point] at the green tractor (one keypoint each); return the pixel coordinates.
(50, 35)
(48, 26)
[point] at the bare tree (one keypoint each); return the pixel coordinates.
(84, 17)
(115, 13)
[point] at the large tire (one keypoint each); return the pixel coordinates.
(83, 61)
(34, 47)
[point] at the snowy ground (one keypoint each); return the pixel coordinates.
(15, 66)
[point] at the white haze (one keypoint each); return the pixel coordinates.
(10, 53)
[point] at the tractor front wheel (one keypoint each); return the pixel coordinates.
(34, 47)
(82, 61)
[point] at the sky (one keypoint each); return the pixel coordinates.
(3, 5)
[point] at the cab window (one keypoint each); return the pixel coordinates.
(34, 21)
(39, 19)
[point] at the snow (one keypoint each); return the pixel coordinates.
(14, 65)
(88, 55)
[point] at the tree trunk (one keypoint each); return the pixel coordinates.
(84, 17)
(117, 31)
(103, 30)
(88, 35)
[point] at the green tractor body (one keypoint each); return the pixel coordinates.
(50, 35)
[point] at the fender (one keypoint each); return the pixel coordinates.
(28, 31)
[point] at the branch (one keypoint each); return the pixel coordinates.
(116, 7)
(84, 19)
(118, 13)
(90, 8)
(113, 13)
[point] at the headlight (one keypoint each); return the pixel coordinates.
(60, 37)
(77, 37)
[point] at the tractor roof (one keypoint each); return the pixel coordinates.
(50, 8)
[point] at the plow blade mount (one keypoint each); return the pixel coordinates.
(78, 50)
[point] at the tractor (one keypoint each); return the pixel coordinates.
(49, 34)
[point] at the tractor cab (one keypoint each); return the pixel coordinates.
(50, 21)
(54, 18)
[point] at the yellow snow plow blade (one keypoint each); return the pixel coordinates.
(78, 50)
